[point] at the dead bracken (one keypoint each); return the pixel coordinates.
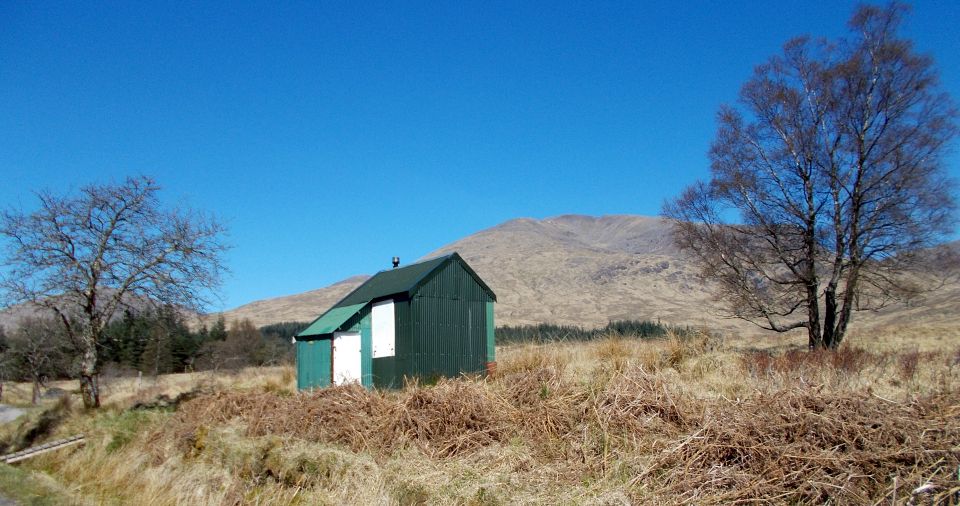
(615, 420)
(792, 444)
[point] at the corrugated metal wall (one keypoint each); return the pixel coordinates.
(449, 337)
(490, 328)
(366, 348)
(313, 363)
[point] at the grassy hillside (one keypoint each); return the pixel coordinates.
(587, 271)
(571, 270)
(612, 421)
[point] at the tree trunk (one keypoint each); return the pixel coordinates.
(829, 317)
(89, 388)
(843, 318)
(841, 328)
(36, 391)
(814, 332)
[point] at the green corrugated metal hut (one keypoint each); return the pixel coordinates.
(428, 319)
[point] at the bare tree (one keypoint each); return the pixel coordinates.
(243, 346)
(83, 257)
(827, 183)
(36, 351)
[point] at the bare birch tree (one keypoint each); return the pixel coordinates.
(84, 257)
(828, 182)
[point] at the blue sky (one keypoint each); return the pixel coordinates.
(330, 136)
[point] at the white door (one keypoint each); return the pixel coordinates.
(346, 358)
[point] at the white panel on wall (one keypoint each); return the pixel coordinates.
(382, 328)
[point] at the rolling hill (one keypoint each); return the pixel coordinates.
(583, 270)
(569, 269)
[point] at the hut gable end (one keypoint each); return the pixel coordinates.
(454, 280)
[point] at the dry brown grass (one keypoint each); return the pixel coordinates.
(452, 417)
(810, 447)
(686, 419)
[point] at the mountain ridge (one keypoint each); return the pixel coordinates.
(606, 262)
(588, 270)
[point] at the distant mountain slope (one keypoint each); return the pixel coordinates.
(586, 271)
(11, 317)
(569, 269)
(302, 307)
(940, 307)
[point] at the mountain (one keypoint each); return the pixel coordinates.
(302, 307)
(940, 307)
(571, 269)
(587, 271)
(583, 270)
(11, 317)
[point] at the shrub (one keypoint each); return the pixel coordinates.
(548, 333)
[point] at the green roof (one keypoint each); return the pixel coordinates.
(403, 280)
(393, 281)
(330, 321)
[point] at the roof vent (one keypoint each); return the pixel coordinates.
(396, 262)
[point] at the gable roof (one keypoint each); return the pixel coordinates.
(393, 281)
(402, 280)
(406, 280)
